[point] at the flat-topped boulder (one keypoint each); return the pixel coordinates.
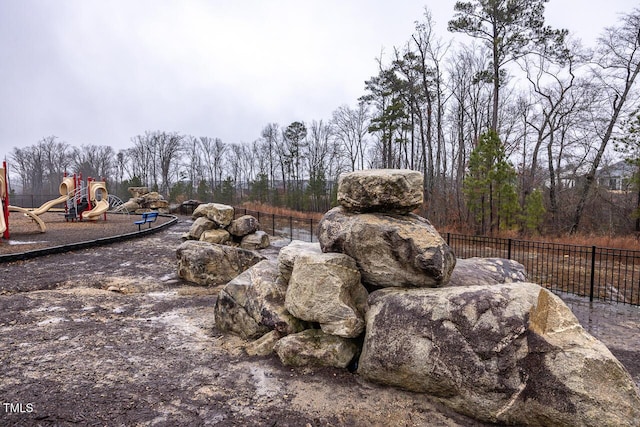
(221, 214)
(381, 190)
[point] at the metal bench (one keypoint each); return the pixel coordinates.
(147, 218)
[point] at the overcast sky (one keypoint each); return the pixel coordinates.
(103, 71)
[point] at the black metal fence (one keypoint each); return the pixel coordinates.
(603, 274)
(284, 226)
(598, 273)
(31, 200)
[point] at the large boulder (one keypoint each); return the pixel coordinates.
(486, 271)
(246, 224)
(390, 250)
(312, 347)
(326, 288)
(252, 304)
(207, 264)
(288, 255)
(137, 192)
(221, 214)
(381, 190)
(507, 353)
(254, 241)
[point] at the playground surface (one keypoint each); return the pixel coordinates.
(111, 336)
(26, 235)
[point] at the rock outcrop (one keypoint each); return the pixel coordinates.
(214, 223)
(142, 200)
(210, 264)
(390, 250)
(509, 353)
(220, 214)
(486, 271)
(472, 334)
(381, 190)
(246, 224)
(326, 289)
(312, 347)
(253, 304)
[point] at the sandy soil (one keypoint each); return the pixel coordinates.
(110, 336)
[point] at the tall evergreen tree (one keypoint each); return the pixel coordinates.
(490, 185)
(508, 28)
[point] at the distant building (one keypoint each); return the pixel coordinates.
(617, 176)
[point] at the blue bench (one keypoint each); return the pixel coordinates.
(147, 218)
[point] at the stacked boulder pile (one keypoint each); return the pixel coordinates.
(383, 294)
(218, 247)
(142, 200)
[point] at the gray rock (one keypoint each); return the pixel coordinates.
(390, 250)
(255, 241)
(199, 226)
(243, 225)
(326, 288)
(209, 264)
(486, 271)
(381, 190)
(313, 347)
(253, 304)
(507, 353)
(263, 346)
(219, 235)
(221, 214)
(288, 255)
(137, 192)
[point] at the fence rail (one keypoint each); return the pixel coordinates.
(603, 274)
(285, 226)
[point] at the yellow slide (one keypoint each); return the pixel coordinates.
(100, 200)
(29, 213)
(66, 188)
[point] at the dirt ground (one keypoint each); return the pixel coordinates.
(110, 336)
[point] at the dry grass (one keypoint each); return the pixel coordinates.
(268, 209)
(630, 242)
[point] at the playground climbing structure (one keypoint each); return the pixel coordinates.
(90, 201)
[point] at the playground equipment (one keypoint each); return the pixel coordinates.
(98, 200)
(90, 201)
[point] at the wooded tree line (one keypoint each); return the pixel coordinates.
(510, 125)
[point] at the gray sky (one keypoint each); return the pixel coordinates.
(103, 71)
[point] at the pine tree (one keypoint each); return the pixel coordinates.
(533, 212)
(490, 185)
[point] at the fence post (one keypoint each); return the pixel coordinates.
(593, 272)
(311, 228)
(273, 224)
(509, 249)
(290, 228)
(448, 239)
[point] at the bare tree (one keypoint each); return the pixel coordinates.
(617, 65)
(350, 130)
(213, 151)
